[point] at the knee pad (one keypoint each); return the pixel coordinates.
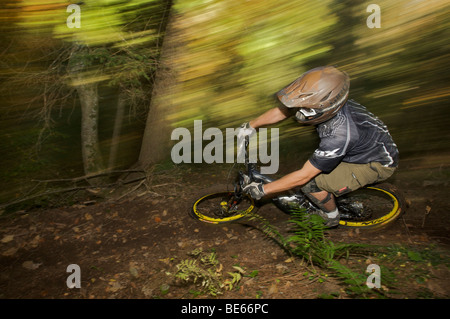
(311, 187)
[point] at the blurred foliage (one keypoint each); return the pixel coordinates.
(231, 58)
(102, 21)
(117, 45)
(237, 54)
(122, 36)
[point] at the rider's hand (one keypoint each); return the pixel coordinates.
(245, 180)
(244, 130)
(255, 190)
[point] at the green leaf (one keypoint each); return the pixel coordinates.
(414, 256)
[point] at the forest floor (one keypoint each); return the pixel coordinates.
(130, 249)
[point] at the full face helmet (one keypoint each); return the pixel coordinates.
(318, 94)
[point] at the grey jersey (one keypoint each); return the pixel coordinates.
(354, 135)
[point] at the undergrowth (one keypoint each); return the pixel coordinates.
(308, 241)
(205, 271)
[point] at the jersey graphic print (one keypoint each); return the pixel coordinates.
(354, 135)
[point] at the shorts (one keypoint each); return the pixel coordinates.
(348, 177)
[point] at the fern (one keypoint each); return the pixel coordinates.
(203, 272)
(210, 260)
(269, 230)
(308, 241)
(356, 282)
(235, 278)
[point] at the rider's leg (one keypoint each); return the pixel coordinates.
(348, 177)
(324, 201)
(345, 178)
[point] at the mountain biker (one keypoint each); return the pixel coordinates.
(355, 147)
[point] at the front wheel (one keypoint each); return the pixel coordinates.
(222, 207)
(379, 204)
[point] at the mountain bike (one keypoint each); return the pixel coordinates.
(372, 206)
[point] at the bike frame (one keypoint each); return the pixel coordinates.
(354, 211)
(289, 203)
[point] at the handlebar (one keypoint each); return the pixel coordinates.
(252, 171)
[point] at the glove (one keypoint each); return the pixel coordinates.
(244, 130)
(255, 190)
(245, 180)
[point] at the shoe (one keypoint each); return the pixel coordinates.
(328, 221)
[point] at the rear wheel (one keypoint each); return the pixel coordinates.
(371, 207)
(222, 207)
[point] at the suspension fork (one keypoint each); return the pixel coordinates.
(252, 171)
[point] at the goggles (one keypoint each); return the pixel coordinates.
(305, 114)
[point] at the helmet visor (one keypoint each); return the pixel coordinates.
(305, 114)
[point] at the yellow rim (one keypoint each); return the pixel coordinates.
(368, 223)
(378, 221)
(221, 220)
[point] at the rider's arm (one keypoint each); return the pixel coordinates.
(272, 116)
(294, 179)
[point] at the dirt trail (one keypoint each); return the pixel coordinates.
(130, 249)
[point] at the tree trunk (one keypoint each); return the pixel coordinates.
(121, 101)
(92, 158)
(88, 95)
(156, 138)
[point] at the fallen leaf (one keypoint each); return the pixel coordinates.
(147, 290)
(30, 265)
(78, 206)
(218, 270)
(93, 191)
(165, 260)
(134, 272)
(242, 271)
(273, 289)
(7, 239)
(115, 286)
(35, 241)
(282, 268)
(10, 252)
(288, 284)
